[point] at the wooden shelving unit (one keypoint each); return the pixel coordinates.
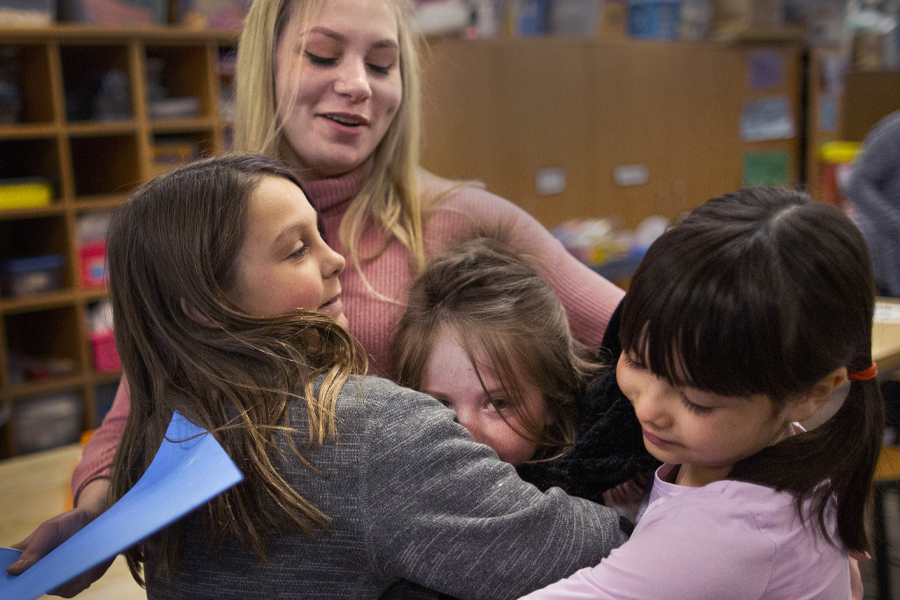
(93, 165)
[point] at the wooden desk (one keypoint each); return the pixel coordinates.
(886, 337)
(34, 488)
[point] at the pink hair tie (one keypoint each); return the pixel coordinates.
(864, 375)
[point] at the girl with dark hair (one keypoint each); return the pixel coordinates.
(227, 309)
(741, 321)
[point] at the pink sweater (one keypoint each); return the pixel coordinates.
(588, 298)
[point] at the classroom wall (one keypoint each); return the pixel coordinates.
(499, 110)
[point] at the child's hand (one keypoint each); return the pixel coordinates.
(626, 498)
(856, 584)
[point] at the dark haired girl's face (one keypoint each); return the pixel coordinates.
(284, 264)
(704, 433)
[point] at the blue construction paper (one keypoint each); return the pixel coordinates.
(189, 469)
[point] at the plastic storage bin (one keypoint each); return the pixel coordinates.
(27, 192)
(93, 263)
(28, 276)
(654, 19)
(106, 357)
(47, 421)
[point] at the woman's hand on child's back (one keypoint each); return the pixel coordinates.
(55, 531)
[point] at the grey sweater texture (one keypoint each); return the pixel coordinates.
(874, 189)
(411, 496)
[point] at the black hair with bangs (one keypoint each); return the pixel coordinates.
(765, 291)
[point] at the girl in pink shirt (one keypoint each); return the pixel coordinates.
(741, 321)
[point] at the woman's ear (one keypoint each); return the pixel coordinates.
(804, 407)
(195, 315)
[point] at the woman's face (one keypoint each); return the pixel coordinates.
(338, 96)
(284, 264)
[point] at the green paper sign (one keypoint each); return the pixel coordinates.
(765, 168)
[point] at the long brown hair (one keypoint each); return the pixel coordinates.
(510, 322)
(185, 346)
(765, 291)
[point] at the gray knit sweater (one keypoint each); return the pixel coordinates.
(413, 497)
(874, 189)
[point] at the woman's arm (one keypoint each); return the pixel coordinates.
(588, 298)
(98, 453)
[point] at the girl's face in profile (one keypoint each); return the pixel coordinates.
(450, 377)
(704, 433)
(338, 95)
(284, 264)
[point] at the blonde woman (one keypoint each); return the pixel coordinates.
(332, 87)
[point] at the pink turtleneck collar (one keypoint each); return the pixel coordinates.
(326, 194)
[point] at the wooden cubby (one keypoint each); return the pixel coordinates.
(92, 165)
(500, 110)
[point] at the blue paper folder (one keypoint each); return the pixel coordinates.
(189, 469)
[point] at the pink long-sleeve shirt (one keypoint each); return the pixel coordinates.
(727, 539)
(373, 311)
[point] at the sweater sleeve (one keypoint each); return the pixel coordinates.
(588, 298)
(446, 513)
(690, 554)
(874, 170)
(98, 453)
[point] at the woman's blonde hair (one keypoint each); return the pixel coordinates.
(390, 196)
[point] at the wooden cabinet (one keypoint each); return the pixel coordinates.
(505, 110)
(93, 156)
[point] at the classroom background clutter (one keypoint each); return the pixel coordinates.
(605, 120)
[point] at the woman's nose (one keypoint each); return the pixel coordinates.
(353, 80)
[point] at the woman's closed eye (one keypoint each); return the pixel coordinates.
(329, 61)
(325, 61)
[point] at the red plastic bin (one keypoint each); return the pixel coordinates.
(106, 357)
